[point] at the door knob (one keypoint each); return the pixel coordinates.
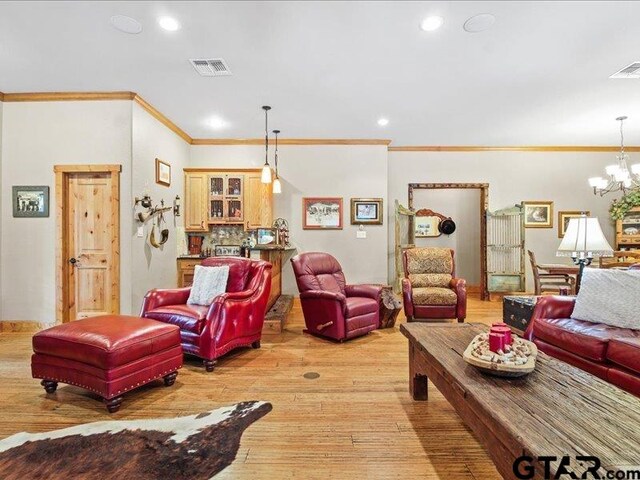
(73, 261)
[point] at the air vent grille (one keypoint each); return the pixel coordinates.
(213, 67)
(630, 71)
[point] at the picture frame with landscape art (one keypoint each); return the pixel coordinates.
(322, 213)
(163, 173)
(30, 201)
(563, 219)
(538, 214)
(366, 211)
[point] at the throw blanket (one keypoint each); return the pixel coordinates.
(611, 297)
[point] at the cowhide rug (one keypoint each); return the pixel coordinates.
(194, 447)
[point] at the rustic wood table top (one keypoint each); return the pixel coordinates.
(556, 410)
(560, 269)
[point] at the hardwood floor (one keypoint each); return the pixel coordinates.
(357, 420)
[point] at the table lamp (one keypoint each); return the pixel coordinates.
(582, 241)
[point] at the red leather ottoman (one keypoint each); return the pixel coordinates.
(108, 355)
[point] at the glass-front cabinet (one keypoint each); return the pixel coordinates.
(628, 231)
(226, 204)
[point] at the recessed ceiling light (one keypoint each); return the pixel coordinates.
(429, 24)
(383, 122)
(216, 123)
(169, 24)
(126, 24)
(479, 23)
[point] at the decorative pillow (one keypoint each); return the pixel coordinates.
(611, 297)
(430, 280)
(208, 283)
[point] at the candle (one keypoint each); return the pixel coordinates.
(496, 342)
(499, 324)
(505, 331)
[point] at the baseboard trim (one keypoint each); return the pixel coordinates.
(22, 326)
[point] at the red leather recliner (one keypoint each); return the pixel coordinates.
(430, 289)
(332, 308)
(233, 320)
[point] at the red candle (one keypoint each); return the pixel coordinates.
(496, 342)
(505, 331)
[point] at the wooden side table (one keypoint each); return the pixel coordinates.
(390, 307)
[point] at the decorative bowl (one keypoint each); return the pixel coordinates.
(502, 369)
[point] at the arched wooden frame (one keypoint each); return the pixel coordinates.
(484, 206)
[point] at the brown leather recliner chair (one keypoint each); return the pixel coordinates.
(332, 308)
(429, 288)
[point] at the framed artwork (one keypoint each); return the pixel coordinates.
(30, 201)
(227, 250)
(267, 236)
(564, 217)
(163, 173)
(426, 226)
(366, 211)
(538, 214)
(322, 213)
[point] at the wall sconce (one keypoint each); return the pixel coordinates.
(176, 206)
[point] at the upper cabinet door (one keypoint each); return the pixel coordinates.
(196, 195)
(258, 202)
(234, 198)
(215, 202)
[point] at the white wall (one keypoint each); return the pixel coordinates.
(154, 267)
(512, 177)
(320, 171)
(37, 136)
(463, 206)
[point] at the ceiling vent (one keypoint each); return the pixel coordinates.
(631, 71)
(213, 67)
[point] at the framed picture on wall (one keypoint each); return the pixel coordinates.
(564, 217)
(322, 213)
(163, 173)
(366, 211)
(426, 226)
(267, 236)
(538, 214)
(30, 201)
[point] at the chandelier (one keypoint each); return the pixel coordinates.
(621, 177)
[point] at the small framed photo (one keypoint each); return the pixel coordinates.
(366, 211)
(538, 214)
(227, 251)
(564, 217)
(163, 173)
(322, 213)
(30, 201)
(267, 236)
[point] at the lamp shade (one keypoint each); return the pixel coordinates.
(277, 186)
(585, 236)
(266, 174)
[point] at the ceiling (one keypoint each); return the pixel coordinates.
(539, 76)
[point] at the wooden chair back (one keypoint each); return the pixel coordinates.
(536, 272)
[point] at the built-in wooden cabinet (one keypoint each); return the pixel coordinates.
(628, 230)
(195, 204)
(214, 197)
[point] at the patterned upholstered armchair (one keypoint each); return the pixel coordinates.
(429, 288)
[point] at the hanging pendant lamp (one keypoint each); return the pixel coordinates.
(266, 169)
(277, 186)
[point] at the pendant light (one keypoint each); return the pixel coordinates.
(266, 169)
(277, 186)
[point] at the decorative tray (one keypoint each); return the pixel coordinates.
(520, 360)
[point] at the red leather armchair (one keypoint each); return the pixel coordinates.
(430, 289)
(233, 320)
(332, 308)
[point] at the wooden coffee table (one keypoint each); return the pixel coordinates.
(557, 410)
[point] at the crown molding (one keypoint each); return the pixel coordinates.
(541, 148)
(67, 96)
(155, 113)
(290, 141)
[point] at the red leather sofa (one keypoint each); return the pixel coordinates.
(332, 308)
(233, 320)
(610, 353)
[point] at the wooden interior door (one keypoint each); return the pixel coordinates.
(92, 286)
